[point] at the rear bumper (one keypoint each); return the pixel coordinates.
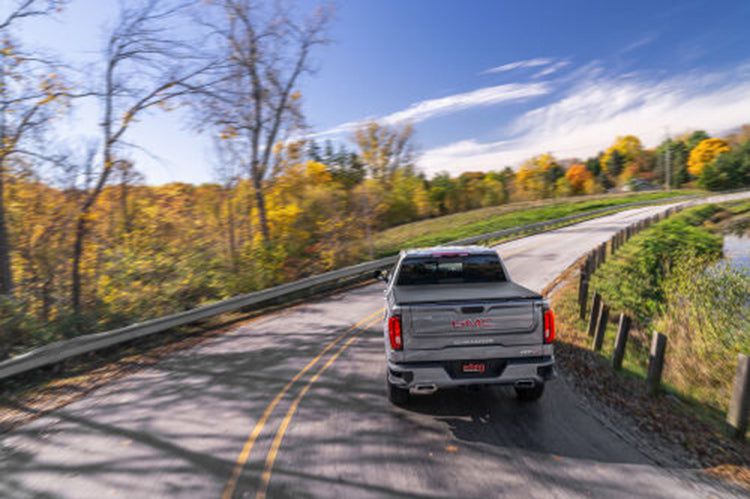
(427, 376)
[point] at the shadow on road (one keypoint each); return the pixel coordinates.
(175, 429)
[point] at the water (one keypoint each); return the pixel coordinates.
(737, 250)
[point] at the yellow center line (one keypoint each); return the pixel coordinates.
(265, 478)
(248, 447)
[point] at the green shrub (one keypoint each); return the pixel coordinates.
(707, 320)
(633, 280)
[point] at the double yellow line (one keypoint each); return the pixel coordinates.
(244, 455)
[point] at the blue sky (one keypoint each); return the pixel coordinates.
(486, 83)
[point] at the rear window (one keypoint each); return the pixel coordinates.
(450, 270)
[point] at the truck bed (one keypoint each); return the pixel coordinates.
(490, 291)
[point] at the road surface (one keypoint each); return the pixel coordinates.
(293, 405)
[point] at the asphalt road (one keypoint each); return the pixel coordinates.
(293, 405)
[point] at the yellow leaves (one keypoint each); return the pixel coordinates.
(228, 132)
(704, 154)
(296, 95)
(628, 146)
(532, 176)
(317, 173)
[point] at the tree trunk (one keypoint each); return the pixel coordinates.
(75, 291)
(6, 277)
(231, 232)
(260, 200)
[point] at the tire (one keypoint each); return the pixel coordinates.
(397, 396)
(530, 394)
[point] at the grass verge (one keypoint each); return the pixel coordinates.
(667, 279)
(471, 223)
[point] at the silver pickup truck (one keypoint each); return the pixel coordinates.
(454, 318)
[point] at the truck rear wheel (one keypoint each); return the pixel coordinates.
(530, 394)
(396, 395)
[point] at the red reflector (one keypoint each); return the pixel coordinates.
(394, 332)
(549, 326)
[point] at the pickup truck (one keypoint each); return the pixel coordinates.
(455, 318)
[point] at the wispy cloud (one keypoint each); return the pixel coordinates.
(528, 63)
(553, 68)
(431, 108)
(641, 42)
(588, 117)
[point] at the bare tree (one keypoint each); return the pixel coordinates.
(385, 149)
(28, 87)
(252, 99)
(143, 68)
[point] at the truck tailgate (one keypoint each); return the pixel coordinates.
(430, 326)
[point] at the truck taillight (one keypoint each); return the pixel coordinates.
(394, 332)
(549, 326)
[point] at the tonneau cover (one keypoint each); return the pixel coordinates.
(485, 291)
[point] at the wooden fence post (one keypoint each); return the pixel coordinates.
(739, 405)
(621, 340)
(596, 304)
(583, 295)
(656, 363)
(601, 327)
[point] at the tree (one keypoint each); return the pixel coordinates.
(695, 138)
(676, 152)
(579, 177)
(142, 69)
(385, 149)
(740, 136)
(29, 86)
(537, 176)
(728, 171)
(251, 97)
(705, 153)
(625, 150)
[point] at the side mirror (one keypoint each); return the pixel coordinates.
(381, 275)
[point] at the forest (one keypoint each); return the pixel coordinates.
(86, 244)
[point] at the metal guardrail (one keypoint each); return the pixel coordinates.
(58, 351)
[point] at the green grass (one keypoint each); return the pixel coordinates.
(471, 223)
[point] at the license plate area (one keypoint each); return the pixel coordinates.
(475, 368)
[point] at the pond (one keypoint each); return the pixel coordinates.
(737, 250)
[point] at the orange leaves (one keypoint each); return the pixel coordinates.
(578, 176)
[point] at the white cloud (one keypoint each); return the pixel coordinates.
(426, 109)
(528, 63)
(591, 115)
(554, 68)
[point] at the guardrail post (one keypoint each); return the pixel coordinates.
(621, 340)
(739, 405)
(656, 363)
(596, 305)
(601, 327)
(603, 252)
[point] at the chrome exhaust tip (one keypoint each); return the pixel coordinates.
(525, 383)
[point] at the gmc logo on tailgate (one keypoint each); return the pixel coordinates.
(472, 324)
